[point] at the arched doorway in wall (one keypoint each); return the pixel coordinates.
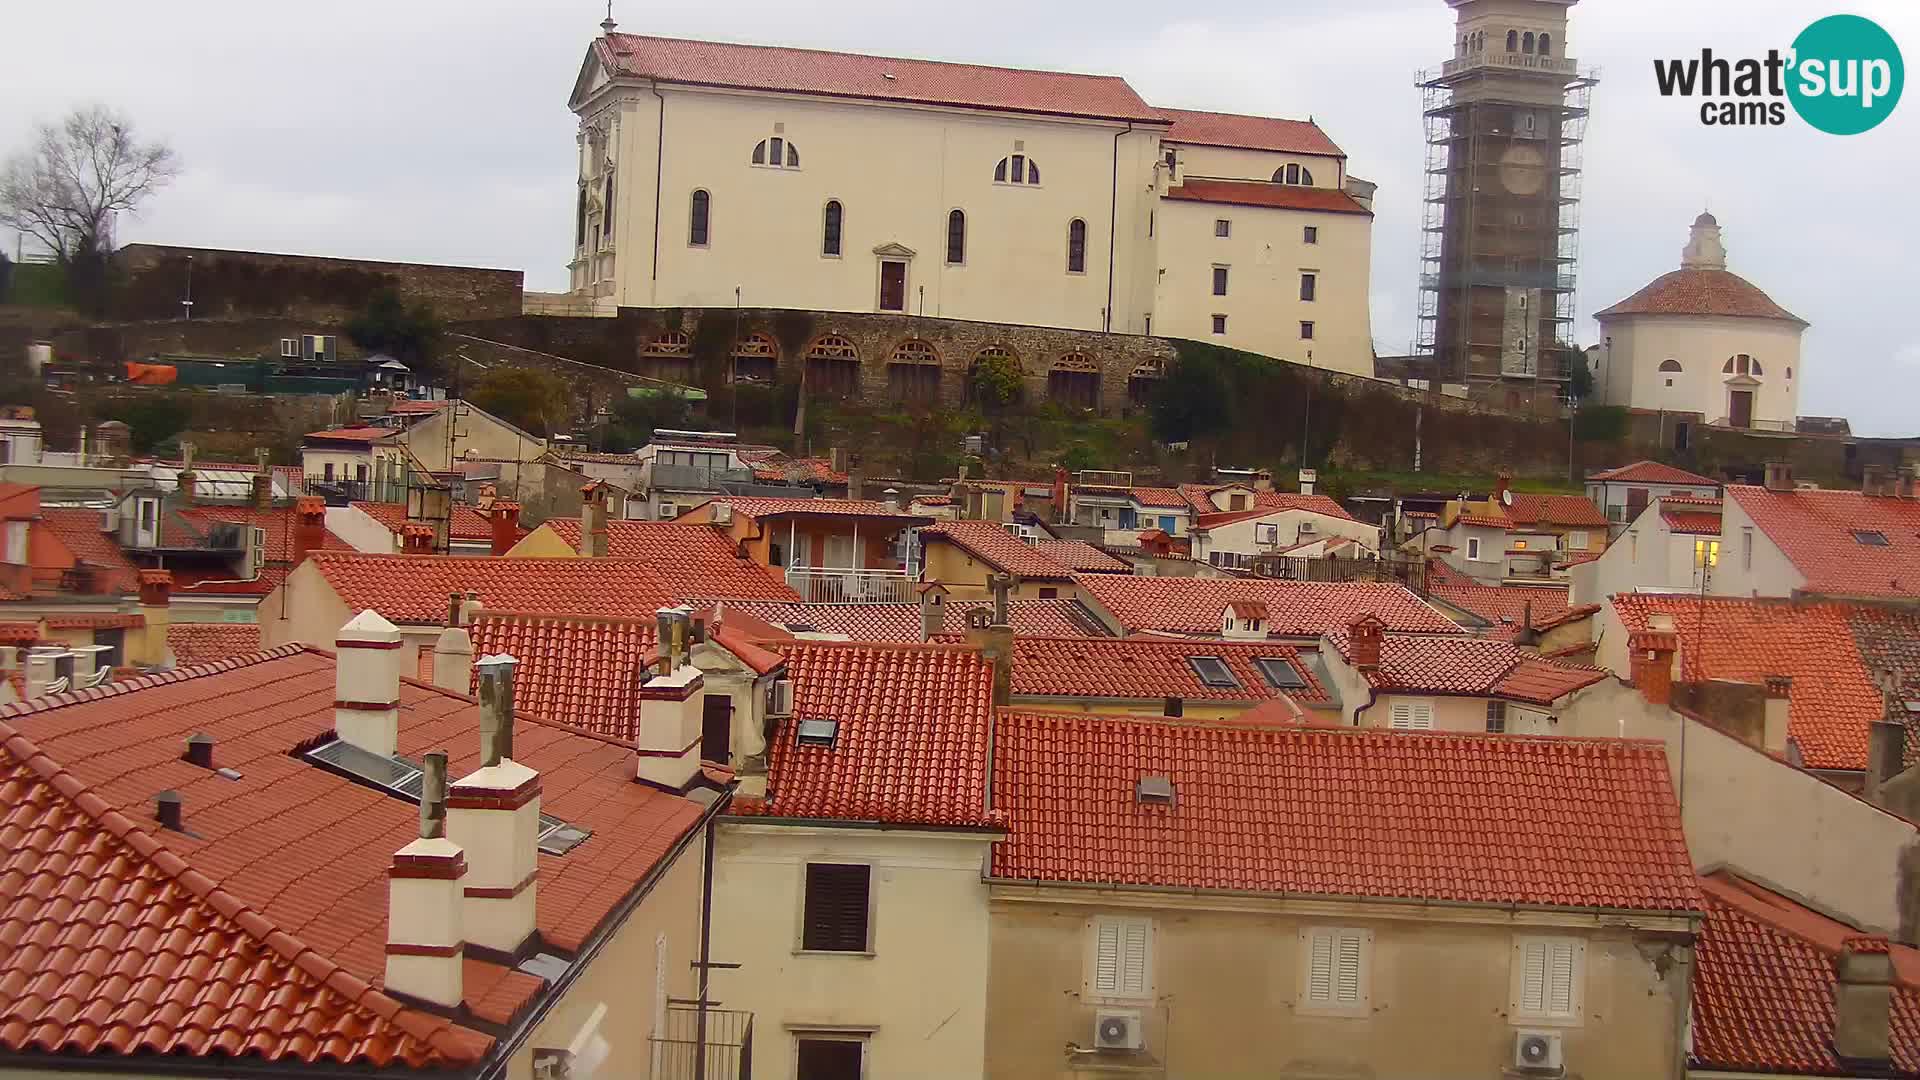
(1073, 381)
(756, 359)
(833, 367)
(913, 373)
(669, 356)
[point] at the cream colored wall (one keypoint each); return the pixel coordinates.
(1235, 163)
(923, 989)
(361, 531)
(1771, 822)
(967, 578)
(476, 433)
(1449, 713)
(543, 543)
(1768, 573)
(1648, 555)
(1265, 256)
(1240, 536)
(314, 461)
(623, 978)
(1226, 976)
(1702, 345)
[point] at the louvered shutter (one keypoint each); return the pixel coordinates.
(1346, 968)
(1560, 968)
(1533, 977)
(1122, 957)
(1402, 715)
(836, 908)
(1106, 959)
(1320, 966)
(1133, 957)
(1423, 716)
(1412, 715)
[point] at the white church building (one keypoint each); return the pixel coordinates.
(712, 174)
(1705, 340)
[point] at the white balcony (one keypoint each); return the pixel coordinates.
(847, 585)
(1515, 61)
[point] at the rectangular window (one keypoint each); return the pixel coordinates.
(1548, 973)
(1122, 957)
(1411, 716)
(1473, 549)
(1310, 234)
(829, 1057)
(326, 472)
(1222, 227)
(1496, 717)
(1746, 548)
(1049, 593)
(360, 474)
(1306, 330)
(835, 919)
(1308, 283)
(1213, 672)
(1219, 281)
(1167, 524)
(1219, 324)
(1278, 673)
(1334, 970)
(1577, 541)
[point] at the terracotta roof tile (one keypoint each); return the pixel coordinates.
(83, 534)
(992, 543)
(1684, 518)
(1150, 669)
(901, 622)
(911, 743)
(1505, 607)
(765, 508)
(1298, 608)
(694, 560)
(1199, 496)
(1160, 497)
(854, 75)
(1263, 193)
(1652, 472)
(1471, 666)
(1484, 520)
(1701, 291)
(1248, 132)
(1083, 557)
(413, 589)
(465, 524)
(203, 643)
(781, 469)
(1819, 532)
(1553, 822)
(580, 670)
(354, 434)
(1575, 511)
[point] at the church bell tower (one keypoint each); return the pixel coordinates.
(1505, 121)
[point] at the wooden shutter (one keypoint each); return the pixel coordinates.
(1533, 977)
(1346, 968)
(1560, 974)
(1320, 967)
(1412, 715)
(1106, 957)
(1133, 957)
(836, 908)
(1122, 956)
(1335, 958)
(1402, 715)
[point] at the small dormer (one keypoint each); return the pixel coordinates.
(1244, 620)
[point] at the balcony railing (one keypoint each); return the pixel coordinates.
(1756, 425)
(846, 585)
(727, 1045)
(693, 477)
(1505, 61)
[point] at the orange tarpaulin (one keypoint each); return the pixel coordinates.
(151, 374)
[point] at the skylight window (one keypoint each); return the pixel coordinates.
(817, 732)
(1870, 537)
(1278, 673)
(1213, 672)
(403, 778)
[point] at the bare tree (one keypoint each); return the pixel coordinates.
(64, 190)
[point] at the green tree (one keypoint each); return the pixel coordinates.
(528, 399)
(410, 335)
(153, 418)
(994, 386)
(635, 418)
(1193, 400)
(1579, 375)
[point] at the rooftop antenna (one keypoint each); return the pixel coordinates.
(607, 24)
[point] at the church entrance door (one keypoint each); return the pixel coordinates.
(893, 285)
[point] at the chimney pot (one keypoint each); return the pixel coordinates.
(1651, 664)
(433, 795)
(1779, 476)
(200, 750)
(167, 809)
(1365, 636)
(496, 708)
(263, 491)
(426, 902)
(453, 660)
(672, 706)
(1863, 1001)
(366, 706)
(505, 519)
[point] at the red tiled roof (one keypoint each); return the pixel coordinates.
(203, 643)
(764, 508)
(82, 533)
(1262, 193)
(1701, 291)
(354, 434)
(812, 470)
(308, 850)
(1815, 531)
(278, 523)
(1763, 986)
(413, 589)
(409, 407)
(580, 670)
(1574, 511)
(1148, 669)
(1652, 472)
(1556, 822)
(117, 947)
(103, 620)
(465, 524)
(992, 543)
(1298, 608)
(901, 622)
(1833, 698)
(1248, 132)
(1504, 606)
(853, 75)
(1169, 498)
(1484, 520)
(1084, 557)
(694, 560)
(1691, 521)
(1470, 666)
(1199, 496)
(911, 745)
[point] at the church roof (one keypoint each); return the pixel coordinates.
(836, 74)
(1249, 132)
(1701, 291)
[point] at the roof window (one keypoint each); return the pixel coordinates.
(402, 778)
(816, 731)
(1871, 537)
(1154, 790)
(1278, 673)
(1213, 672)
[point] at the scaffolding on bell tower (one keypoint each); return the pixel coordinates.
(1500, 229)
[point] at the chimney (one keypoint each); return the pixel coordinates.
(933, 610)
(156, 587)
(505, 519)
(1907, 482)
(1651, 663)
(856, 484)
(1886, 753)
(263, 491)
(200, 750)
(593, 520)
(1365, 635)
(416, 539)
(1779, 476)
(1873, 480)
(672, 705)
(1778, 709)
(837, 459)
(366, 706)
(310, 527)
(168, 811)
(893, 498)
(186, 481)
(1059, 493)
(493, 814)
(1863, 1002)
(453, 660)
(426, 895)
(1263, 481)
(992, 634)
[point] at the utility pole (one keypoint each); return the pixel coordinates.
(186, 302)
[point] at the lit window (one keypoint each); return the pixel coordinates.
(1706, 554)
(1519, 545)
(1076, 247)
(1219, 324)
(1016, 169)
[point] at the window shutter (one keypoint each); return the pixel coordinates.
(1106, 961)
(1346, 981)
(1133, 962)
(1402, 715)
(1423, 716)
(836, 908)
(1320, 967)
(1560, 978)
(1533, 977)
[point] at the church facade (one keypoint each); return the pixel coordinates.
(713, 174)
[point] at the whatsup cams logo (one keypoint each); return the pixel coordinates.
(1843, 75)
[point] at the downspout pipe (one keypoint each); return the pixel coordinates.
(706, 948)
(659, 164)
(1113, 221)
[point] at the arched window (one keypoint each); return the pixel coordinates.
(580, 218)
(913, 372)
(1513, 41)
(1741, 364)
(606, 213)
(1526, 42)
(697, 219)
(956, 238)
(833, 366)
(1076, 247)
(915, 351)
(833, 347)
(776, 153)
(830, 229)
(1546, 44)
(1293, 174)
(1017, 169)
(1074, 380)
(1669, 365)
(1757, 370)
(673, 343)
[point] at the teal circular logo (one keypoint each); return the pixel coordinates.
(1846, 74)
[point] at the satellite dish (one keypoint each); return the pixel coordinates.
(1506, 498)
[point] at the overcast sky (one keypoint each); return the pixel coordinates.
(437, 131)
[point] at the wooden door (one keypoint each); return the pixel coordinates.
(893, 286)
(716, 729)
(1740, 408)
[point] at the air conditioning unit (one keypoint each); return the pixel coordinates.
(1537, 1051)
(722, 513)
(780, 698)
(1115, 1029)
(1306, 527)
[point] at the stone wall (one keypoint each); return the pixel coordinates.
(153, 280)
(112, 343)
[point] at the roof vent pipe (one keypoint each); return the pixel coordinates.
(200, 750)
(167, 808)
